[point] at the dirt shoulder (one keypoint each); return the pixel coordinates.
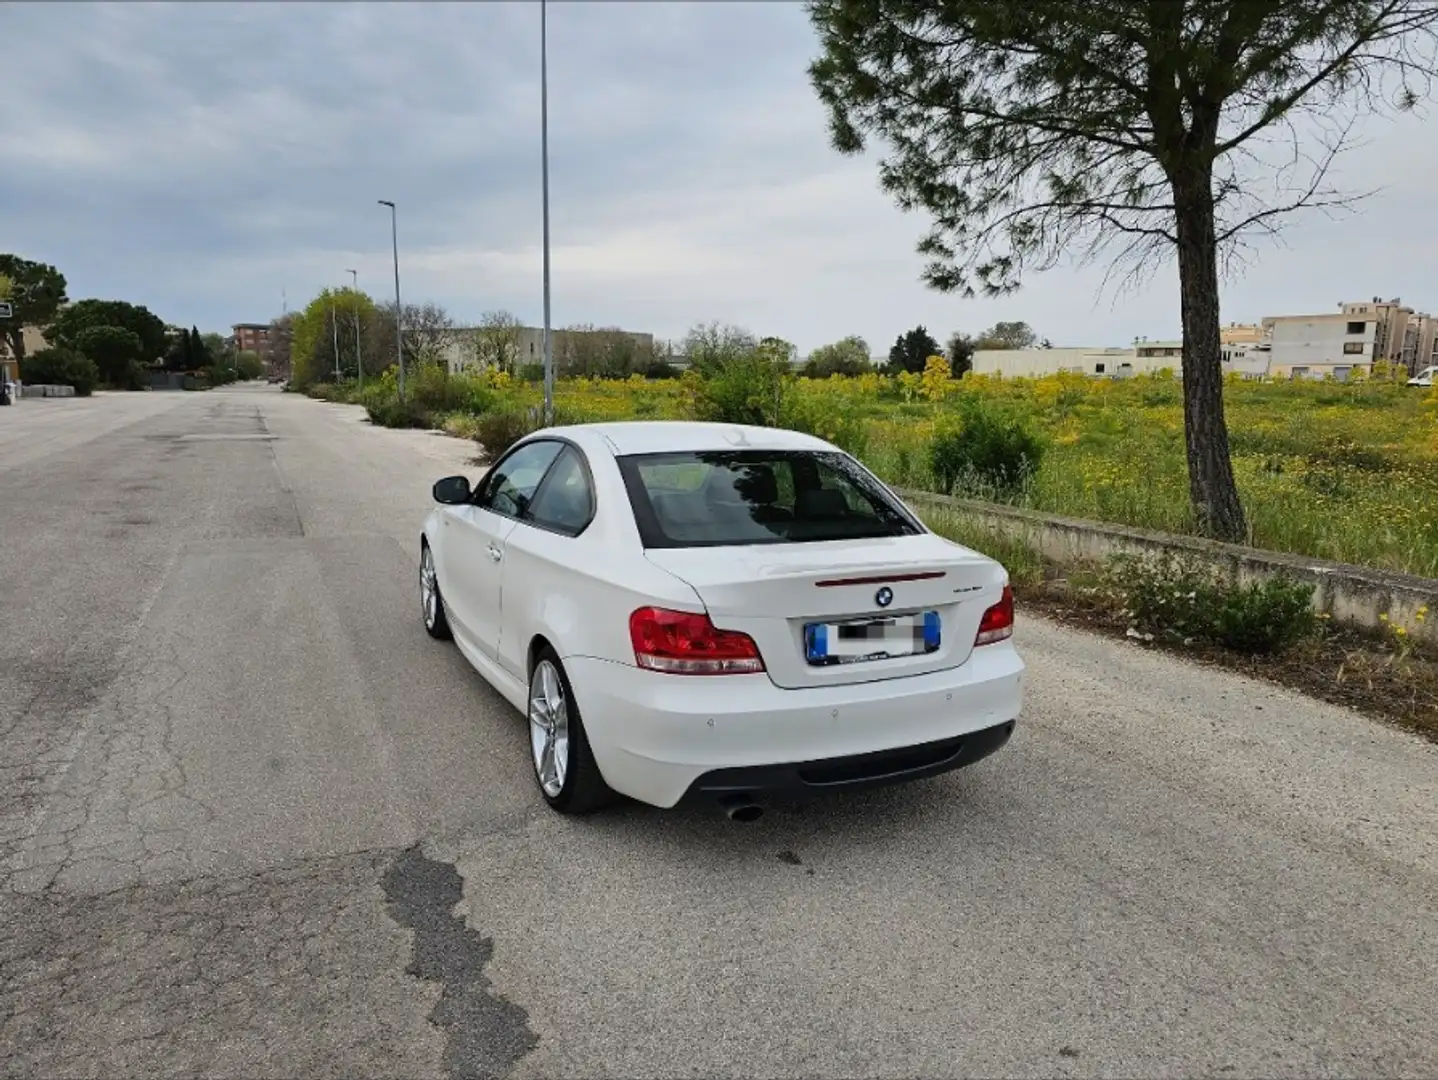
(1340, 666)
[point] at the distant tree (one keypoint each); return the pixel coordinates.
(781, 353)
(276, 350)
(306, 342)
(218, 345)
(912, 350)
(37, 290)
(248, 365)
(604, 352)
(709, 346)
(1007, 335)
(200, 349)
(1032, 130)
(6, 287)
(84, 315)
(115, 352)
(496, 341)
(960, 353)
(177, 349)
(429, 331)
(848, 356)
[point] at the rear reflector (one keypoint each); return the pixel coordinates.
(683, 643)
(998, 622)
(880, 579)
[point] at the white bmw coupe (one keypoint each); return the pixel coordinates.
(688, 610)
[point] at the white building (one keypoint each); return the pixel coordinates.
(1144, 357)
(1247, 360)
(1320, 346)
(568, 345)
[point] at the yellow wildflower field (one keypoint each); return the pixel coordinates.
(1345, 471)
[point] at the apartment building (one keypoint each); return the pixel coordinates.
(1333, 345)
(251, 337)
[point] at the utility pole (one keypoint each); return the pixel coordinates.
(359, 362)
(398, 310)
(544, 168)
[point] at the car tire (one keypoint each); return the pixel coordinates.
(564, 767)
(431, 602)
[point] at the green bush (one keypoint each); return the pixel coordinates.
(824, 418)
(1182, 598)
(500, 430)
(744, 389)
(431, 395)
(1169, 596)
(391, 413)
(531, 372)
(1266, 617)
(61, 367)
(986, 450)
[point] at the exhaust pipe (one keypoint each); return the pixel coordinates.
(741, 807)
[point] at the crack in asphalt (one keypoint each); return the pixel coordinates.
(485, 1035)
(136, 817)
(293, 971)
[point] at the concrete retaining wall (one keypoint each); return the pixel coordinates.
(47, 391)
(1353, 594)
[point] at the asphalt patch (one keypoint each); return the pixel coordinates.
(484, 1034)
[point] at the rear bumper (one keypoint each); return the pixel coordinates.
(658, 738)
(856, 771)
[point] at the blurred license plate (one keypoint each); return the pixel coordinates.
(872, 639)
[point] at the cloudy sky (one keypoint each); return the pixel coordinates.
(203, 158)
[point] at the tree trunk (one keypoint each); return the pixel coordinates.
(15, 336)
(1211, 488)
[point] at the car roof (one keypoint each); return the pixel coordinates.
(667, 436)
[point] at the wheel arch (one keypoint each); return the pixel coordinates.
(537, 644)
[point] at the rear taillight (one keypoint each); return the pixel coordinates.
(682, 643)
(998, 622)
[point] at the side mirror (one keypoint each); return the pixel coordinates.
(453, 491)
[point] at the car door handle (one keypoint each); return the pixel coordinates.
(494, 553)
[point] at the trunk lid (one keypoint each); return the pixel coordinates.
(772, 592)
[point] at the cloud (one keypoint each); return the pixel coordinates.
(200, 158)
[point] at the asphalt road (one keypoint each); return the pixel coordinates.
(253, 822)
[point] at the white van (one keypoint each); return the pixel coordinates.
(1424, 377)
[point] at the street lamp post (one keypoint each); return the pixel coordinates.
(544, 169)
(398, 311)
(335, 327)
(359, 362)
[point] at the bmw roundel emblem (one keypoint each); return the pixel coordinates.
(884, 597)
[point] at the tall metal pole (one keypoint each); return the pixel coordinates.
(359, 361)
(398, 310)
(544, 167)
(335, 326)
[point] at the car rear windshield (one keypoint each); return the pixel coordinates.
(731, 497)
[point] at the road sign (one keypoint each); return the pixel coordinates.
(5, 309)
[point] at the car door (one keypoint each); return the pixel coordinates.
(541, 557)
(474, 548)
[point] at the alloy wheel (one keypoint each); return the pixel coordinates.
(548, 728)
(428, 588)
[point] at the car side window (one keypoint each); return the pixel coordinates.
(565, 502)
(511, 486)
